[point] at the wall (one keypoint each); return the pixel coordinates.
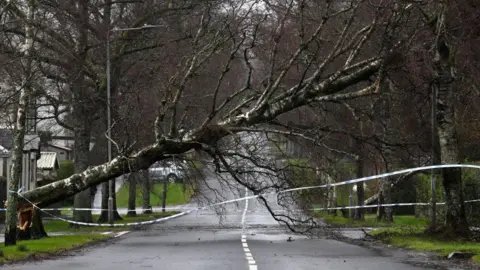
(4, 166)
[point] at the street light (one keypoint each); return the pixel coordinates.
(109, 117)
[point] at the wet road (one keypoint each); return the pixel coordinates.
(245, 237)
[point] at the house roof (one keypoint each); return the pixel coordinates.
(48, 161)
(59, 147)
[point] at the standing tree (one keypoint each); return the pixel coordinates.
(444, 67)
(20, 129)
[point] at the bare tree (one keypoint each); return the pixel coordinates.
(26, 93)
(235, 36)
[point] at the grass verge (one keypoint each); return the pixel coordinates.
(46, 247)
(416, 240)
(176, 194)
(62, 226)
(476, 259)
(371, 221)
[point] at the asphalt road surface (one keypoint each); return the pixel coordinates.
(235, 239)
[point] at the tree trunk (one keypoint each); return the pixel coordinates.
(19, 137)
(16, 172)
(360, 190)
(147, 208)
(331, 197)
(37, 231)
(132, 194)
(456, 224)
(380, 209)
(385, 197)
(82, 112)
(81, 149)
(105, 194)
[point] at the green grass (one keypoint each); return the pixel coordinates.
(415, 239)
(47, 246)
(175, 195)
(476, 259)
(62, 226)
(371, 221)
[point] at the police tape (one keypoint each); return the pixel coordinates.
(352, 181)
(193, 208)
(382, 205)
(102, 209)
(373, 177)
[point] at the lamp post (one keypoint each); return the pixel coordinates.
(109, 117)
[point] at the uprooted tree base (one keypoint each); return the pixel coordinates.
(30, 224)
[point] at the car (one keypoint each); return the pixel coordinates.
(172, 172)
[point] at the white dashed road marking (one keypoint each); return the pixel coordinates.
(252, 265)
(121, 233)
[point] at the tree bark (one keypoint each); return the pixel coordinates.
(82, 112)
(81, 149)
(385, 197)
(359, 174)
(16, 172)
(37, 231)
(105, 194)
(456, 224)
(380, 209)
(146, 188)
(132, 194)
(331, 196)
(19, 136)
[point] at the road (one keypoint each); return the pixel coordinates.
(238, 239)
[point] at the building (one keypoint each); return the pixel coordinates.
(30, 155)
(47, 166)
(62, 152)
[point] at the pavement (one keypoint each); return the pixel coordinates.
(240, 236)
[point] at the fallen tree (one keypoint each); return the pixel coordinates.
(166, 148)
(353, 65)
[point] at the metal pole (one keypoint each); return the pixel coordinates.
(109, 120)
(164, 195)
(433, 214)
(109, 133)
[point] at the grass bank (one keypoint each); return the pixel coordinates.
(371, 221)
(416, 240)
(476, 259)
(62, 226)
(176, 194)
(46, 247)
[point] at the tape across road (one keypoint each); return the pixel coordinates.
(357, 180)
(100, 209)
(370, 178)
(382, 205)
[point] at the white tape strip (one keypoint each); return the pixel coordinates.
(363, 179)
(100, 209)
(382, 205)
(369, 178)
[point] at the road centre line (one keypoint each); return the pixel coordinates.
(252, 265)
